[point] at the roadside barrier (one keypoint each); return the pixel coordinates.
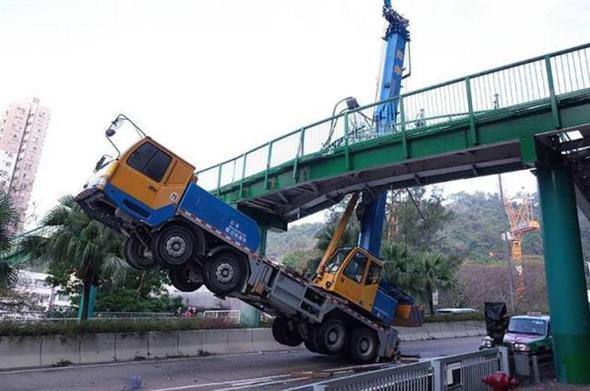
(48, 350)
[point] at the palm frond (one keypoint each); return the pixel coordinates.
(8, 275)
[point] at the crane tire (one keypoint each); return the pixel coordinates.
(225, 273)
(134, 252)
(187, 278)
(285, 332)
(331, 336)
(175, 244)
(363, 345)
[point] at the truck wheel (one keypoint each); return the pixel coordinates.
(285, 332)
(362, 347)
(224, 273)
(331, 336)
(175, 244)
(135, 254)
(187, 278)
(311, 343)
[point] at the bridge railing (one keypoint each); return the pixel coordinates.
(540, 79)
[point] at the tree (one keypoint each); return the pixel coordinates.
(419, 273)
(76, 244)
(436, 271)
(416, 218)
(7, 217)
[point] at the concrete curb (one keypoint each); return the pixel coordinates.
(55, 350)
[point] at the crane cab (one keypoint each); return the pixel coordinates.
(151, 176)
(354, 274)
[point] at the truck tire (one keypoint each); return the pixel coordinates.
(311, 342)
(224, 273)
(363, 345)
(285, 332)
(134, 252)
(331, 336)
(175, 245)
(187, 278)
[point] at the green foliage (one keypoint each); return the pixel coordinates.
(303, 261)
(416, 218)
(299, 237)
(74, 327)
(86, 249)
(7, 219)
(418, 273)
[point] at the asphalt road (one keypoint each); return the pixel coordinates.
(267, 371)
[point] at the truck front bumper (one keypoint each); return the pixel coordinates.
(95, 203)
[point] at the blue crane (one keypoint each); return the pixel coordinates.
(396, 36)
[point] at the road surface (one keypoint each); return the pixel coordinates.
(266, 371)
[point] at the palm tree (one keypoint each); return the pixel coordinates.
(436, 271)
(7, 216)
(76, 243)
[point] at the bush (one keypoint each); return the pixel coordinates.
(74, 327)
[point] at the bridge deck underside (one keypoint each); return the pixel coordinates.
(310, 197)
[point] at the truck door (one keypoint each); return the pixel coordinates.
(351, 279)
(142, 172)
(369, 291)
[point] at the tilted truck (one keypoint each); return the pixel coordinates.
(151, 196)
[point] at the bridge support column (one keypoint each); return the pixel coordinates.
(564, 269)
(250, 316)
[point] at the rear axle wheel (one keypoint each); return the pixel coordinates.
(225, 273)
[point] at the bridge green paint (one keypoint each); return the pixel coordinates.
(501, 126)
(566, 285)
(545, 102)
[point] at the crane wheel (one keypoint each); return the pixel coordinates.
(331, 336)
(363, 345)
(135, 254)
(285, 332)
(311, 342)
(187, 278)
(224, 273)
(176, 244)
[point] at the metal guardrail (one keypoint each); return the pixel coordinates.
(540, 79)
(457, 372)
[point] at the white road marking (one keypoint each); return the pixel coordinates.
(265, 384)
(227, 382)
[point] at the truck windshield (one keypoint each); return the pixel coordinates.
(527, 326)
(336, 260)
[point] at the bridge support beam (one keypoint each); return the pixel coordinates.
(566, 287)
(250, 316)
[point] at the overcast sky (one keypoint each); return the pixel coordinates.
(211, 79)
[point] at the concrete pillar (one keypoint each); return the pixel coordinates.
(250, 316)
(564, 269)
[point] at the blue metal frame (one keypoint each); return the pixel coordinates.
(396, 36)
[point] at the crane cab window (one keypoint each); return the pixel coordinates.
(374, 274)
(356, 268)
(150, 161)
(337, 259)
